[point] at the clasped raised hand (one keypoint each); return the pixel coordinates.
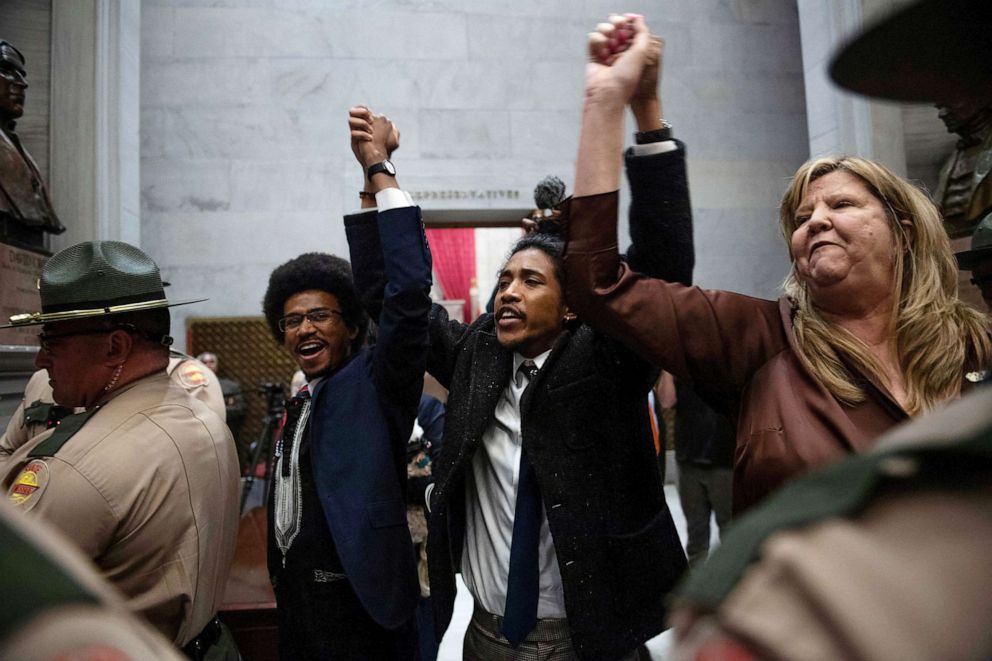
(619, 51)
(373, 137)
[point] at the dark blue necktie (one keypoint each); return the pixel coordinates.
(520, 613)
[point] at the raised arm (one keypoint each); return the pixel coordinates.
(660, 216)
(712, 338)
(402, 344)
(362, 229)
(367, 247)
(611, 80)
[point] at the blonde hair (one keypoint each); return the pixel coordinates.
(937, 336)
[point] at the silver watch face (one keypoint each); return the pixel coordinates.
(384, 166)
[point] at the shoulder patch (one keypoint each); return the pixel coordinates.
(29, 485)
(191, 375)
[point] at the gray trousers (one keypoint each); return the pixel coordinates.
(549, 641)
(704, 490)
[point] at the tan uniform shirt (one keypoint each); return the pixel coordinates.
(909, 577)
(19, 430)
(147, 488)
(195, 377)
(66, 630)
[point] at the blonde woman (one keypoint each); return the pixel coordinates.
(869, 331)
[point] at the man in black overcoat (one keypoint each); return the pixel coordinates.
(572, 436)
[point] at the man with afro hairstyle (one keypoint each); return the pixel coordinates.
(339, 552)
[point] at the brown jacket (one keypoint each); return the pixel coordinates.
(738, 351)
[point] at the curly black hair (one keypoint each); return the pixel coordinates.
(315, 270)
(549, 244)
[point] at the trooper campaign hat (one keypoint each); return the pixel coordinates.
(981, 246)
(96, 279)
(930, 51)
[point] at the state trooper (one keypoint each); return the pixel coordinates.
(145, 479)
(72, 612)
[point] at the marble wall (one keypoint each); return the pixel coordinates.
(244, 149)
(95, 162)
(841, 122)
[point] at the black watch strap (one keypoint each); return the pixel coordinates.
(657, 135)
(384, 166)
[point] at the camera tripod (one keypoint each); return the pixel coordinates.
(261, 449)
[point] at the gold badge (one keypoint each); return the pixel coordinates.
(29, 484)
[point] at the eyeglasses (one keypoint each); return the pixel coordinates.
(315, 317)
(45, 339)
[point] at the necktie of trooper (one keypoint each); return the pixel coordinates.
(520, 612)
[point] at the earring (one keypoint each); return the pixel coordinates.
(113, 380)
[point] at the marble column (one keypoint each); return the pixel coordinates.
(840, 122)
(95, 155)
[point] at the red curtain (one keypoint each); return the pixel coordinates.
(453, 251)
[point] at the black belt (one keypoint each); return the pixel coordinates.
(196, 649)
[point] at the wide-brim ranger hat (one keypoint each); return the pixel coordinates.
(930, 51)
(981, 246)
(97, 279)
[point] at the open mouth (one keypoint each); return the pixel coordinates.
(310, 349)
(508, 316)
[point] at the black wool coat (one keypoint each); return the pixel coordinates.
(585, 429)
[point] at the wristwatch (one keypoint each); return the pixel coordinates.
(385, 166)
(657, 135)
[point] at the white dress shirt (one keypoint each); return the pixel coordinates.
(651, 148)
(392, 198)
(490, 501)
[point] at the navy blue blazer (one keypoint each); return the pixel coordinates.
(361, 419)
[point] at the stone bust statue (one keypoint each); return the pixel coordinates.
(26, 211)
(964, 193)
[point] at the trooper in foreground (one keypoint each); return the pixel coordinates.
(73, 613)
(145, 479)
